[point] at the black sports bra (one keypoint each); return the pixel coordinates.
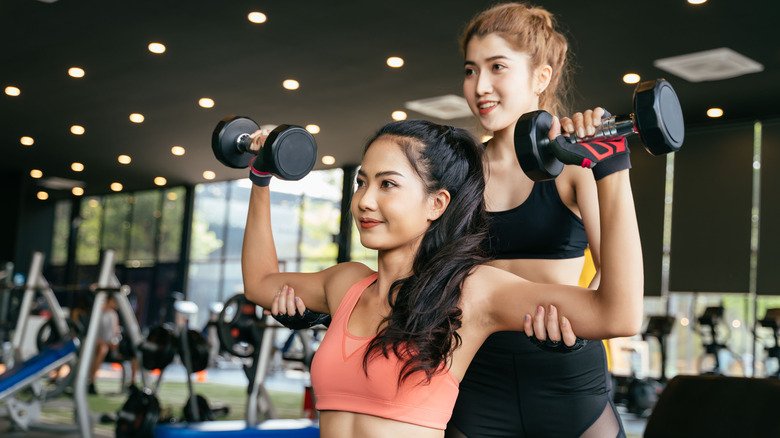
(542, 227)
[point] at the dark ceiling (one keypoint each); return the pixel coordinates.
(336, 50)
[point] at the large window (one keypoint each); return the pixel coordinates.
(305, 218)
(143, 228)
(88, 243)
(59, 244)
(116, 222)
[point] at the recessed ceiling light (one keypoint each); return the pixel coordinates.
(313, 129)
(76, 72)
(257, 17)
(42, 196)
(209, 175)
(137, 118)
(36, 173)
(160, 181)
(27, 141)
(328, 160)
(124, 159)
(631, 78)
(12, 91)
(291, 84)
(715, 112)
(77, 130)
(157, 48)
(117, 187)
(178, 151)
(398, 115)
(206, 102)
(77, 167)
(77, 191)
(395, 62)
(172, 196)
(697, 2)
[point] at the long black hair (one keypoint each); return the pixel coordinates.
(421, 329)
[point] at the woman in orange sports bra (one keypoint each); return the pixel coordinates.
(402, 337)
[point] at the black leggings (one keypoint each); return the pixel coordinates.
(514, 389)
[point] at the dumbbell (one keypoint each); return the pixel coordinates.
(657, 118)
(289, 151)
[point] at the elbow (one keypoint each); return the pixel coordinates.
(626, 329)
(628, 324)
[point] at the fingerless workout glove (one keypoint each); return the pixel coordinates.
(612, 164)
(307, 320)
(559, 346)
(258, 177)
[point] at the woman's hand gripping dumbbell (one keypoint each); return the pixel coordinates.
(657, 119)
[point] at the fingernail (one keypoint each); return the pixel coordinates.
(527, 317)
(540, 309)
(553, 308)
(564, 321)
(298, 299)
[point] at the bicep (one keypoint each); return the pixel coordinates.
(310, 287)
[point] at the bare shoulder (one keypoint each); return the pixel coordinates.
(340, 278)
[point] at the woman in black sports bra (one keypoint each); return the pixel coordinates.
(515, 62)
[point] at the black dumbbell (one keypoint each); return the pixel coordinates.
(657, 118)
(289, 151)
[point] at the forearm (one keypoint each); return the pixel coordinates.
(258, 255)
(619, 295)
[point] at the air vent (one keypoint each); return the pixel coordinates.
(55, 183)
(443, 107)
(710, 65)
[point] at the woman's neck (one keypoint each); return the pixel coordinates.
(395, 264)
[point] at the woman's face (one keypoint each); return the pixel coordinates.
(390, 203)
(499, 84)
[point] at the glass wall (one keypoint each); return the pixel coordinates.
(304, 216)
(143, 228)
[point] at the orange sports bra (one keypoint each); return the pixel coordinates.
(340, 383)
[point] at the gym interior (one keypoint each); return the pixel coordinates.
(114, 195)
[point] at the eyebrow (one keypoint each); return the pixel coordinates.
(492, 58)
(378, 174)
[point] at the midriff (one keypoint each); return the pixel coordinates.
(558, 271)
(340, 424)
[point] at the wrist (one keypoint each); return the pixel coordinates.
(259, 177)
(612, 165)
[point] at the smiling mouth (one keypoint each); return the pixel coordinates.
(366, 224)
(486, 107)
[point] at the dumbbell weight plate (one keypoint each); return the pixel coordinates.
(224, 141)
(659, 117)
(289, 152)
(531, 146)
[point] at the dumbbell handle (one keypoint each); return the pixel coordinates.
(244, 144)
(611, 128)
